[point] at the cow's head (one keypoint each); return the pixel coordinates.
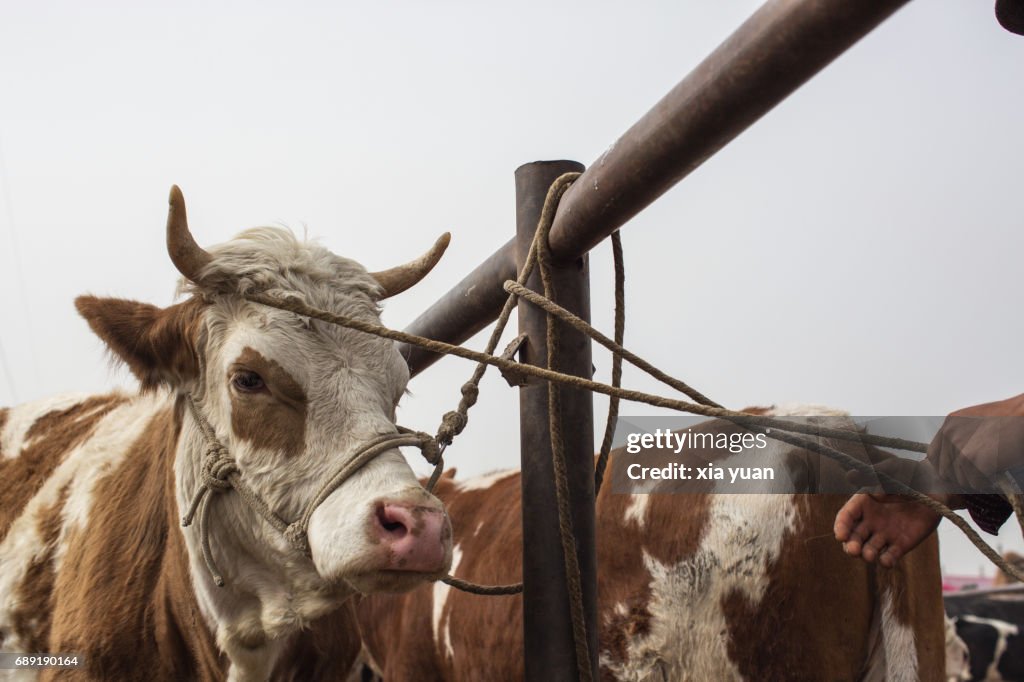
(293, 400)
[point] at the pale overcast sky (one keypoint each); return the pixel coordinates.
(860, 246)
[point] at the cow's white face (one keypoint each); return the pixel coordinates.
(293, 400)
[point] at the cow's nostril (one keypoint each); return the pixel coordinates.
(389, 521)
(415, 538)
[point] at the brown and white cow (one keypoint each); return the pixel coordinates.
(690, 587)
(93, 557)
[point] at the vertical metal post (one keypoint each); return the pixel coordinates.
(549, 649)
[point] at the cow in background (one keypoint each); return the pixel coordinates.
(93, 558)
(991, 624)
(690, 587)
(958, 660)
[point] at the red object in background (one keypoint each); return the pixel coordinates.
(955, 583)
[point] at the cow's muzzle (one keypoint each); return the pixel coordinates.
(415, 537)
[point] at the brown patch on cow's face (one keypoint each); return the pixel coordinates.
(159, 345)
(273, 417)
(47, 442)
(34, 594)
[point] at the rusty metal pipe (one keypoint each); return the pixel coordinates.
(773, 53)
(770, 55)
(547, 625)
(467, 308)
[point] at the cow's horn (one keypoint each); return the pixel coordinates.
(396, 280)
(187, 256)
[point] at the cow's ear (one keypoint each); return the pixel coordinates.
(159, 345)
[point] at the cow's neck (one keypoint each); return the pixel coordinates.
(270, 592)
(179, 647)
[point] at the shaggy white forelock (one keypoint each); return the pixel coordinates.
(272, 260)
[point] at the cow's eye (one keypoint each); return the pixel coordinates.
(247, 382)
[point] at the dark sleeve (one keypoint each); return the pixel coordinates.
(988, 511)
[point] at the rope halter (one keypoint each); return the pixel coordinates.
(219, 474)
